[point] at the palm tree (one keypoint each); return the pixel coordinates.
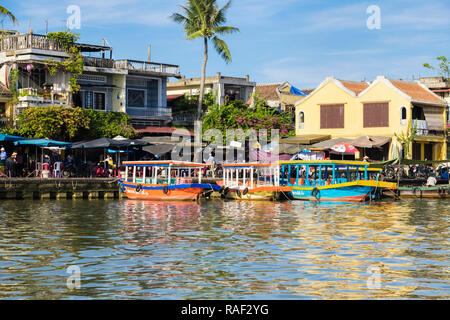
(203, 19)
(6, 13)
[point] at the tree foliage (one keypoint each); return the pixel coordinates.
(238, 115)
(73, 124)
(203, 19)
(444, 67)
(405, 138)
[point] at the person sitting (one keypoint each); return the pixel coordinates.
(431, 181)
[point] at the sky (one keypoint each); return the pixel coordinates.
(298, 41)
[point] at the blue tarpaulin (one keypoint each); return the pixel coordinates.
(42, 143)
(7, 137)
(297, 92)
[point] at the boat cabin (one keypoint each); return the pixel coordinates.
(323, 173)
(251, 175)
(162, 172)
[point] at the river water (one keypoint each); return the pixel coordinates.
(125, 249)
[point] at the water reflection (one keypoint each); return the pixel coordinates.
(224, 250)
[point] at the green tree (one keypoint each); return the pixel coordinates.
(203, 19)
(6, 13)
(406, 138)
(444, 67)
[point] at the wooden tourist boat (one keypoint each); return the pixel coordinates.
(252, 181)
(329, 180)
(164, 180)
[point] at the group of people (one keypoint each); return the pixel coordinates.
(12, 166)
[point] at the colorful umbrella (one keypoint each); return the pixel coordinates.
(344, 148)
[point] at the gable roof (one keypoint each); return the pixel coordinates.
(417, 92)
(356, 87)
(268, 91)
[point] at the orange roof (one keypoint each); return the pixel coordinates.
(416, 91)
(356, 87)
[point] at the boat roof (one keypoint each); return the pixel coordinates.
(327, 162)
(249, 165)
(164, 164)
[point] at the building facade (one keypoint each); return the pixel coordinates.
(383, 108)
(279, 95)
(137, 88)
(230, 88)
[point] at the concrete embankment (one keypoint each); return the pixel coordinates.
(66, 188)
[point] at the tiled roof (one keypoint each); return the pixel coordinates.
(268, 91)
(416, 91)
(356, 87)
(4, 90)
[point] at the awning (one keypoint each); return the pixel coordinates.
(169, 130)
(327, 144)
(7, 137)
(370, 141)
(42, 143)
(107, 143)
(174, 97)
(159, 149)
(435, 120)
(305, 139)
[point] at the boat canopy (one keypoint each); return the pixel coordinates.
(248, 165)
(163, 164)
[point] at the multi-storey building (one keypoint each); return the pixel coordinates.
(135, 87)
(383, 108)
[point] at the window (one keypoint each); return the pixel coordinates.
(376, 115)
(301, 120)
(94, 100)
(136, 97)
(332, 116)
(403, 116)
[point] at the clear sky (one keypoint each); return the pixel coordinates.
(298, 41)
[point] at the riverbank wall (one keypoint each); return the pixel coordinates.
(65, 188)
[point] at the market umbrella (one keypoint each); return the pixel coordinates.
(343, 149)
(8, 137)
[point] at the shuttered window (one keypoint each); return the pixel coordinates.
(332, 116)
(376, 114)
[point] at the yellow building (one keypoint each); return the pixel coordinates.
(383, 108)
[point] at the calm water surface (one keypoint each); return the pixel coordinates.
(225, 250)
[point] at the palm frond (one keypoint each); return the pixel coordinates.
(222, 49)
(7, 13)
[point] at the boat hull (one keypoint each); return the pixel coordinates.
(261, 193)
(357, 191)
(187, 192)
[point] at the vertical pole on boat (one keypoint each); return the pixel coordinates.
(200, 176)
(134, 173)
(155, 175)
(143, 173)
(126, 173)
(298, 173)
(169, 174)
(289, 175)
(251, 177)
(243, 177)
(224, 177)
(399, 168)
(320, 174)
(334, 173)
(237, 177)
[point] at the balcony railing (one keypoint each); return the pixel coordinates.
(29, 41)
(184, 117)
(149, 112)
(134, 65)
(98, 62)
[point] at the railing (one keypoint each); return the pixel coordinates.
(29, 41)
(145, 66)
(184, 117)
(422, 127)
(149, 112)
(98, 62)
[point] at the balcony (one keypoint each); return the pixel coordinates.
(146, 112)
(424, 131)
(144, 66)
(98, 62)
(29, 41)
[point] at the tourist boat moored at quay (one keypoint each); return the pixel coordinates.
(330, 180)
(252, 181)
(164, 180)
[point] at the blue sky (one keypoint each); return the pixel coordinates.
(281, 40)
